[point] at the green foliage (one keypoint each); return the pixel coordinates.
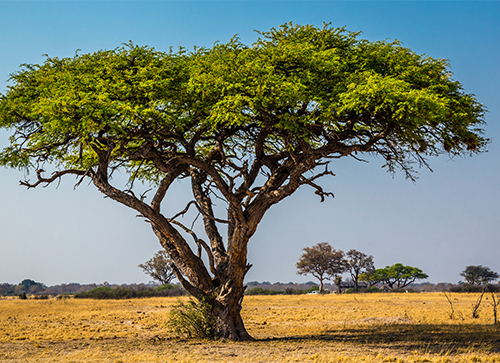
(27, 283)
(304, 82)
(313, 288)
(166, 287)
(372, 289)
(194, 319)
(396, 276)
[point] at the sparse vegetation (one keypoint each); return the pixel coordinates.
(106, 292)
(375, 328)
(192, 319)
(286, 291)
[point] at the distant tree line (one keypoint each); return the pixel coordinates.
(326, 263)
(37, 289)
(121, 292)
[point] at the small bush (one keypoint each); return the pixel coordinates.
(23, 296)
(63, 297)
(193, 319)
(41, 297)
(313, 288)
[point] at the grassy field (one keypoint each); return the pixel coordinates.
(308, 328)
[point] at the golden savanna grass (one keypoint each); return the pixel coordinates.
(307, 328)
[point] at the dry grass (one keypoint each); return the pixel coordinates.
(330, 328)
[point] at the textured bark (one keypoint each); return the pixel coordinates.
(229, 322)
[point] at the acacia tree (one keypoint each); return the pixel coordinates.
(395, 276)
(159, 267)
(322, 261)
(358, 263)
(479, 275)
(248, 124)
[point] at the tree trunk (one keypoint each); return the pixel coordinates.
(320, 286)
(229, 322)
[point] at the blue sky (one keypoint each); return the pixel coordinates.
(447, 220)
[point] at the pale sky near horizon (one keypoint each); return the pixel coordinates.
(445, 221)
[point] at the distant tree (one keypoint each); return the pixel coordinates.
(395, 276)
(27, 283)
(38, 288)
(159, 267)
(337, 280)
(29, 286)
(358, 263)
(322, 261)
(479, 275)
(6, 289)
(369, 278)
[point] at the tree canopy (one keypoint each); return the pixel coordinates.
(358, 263)
(322, 261)
(248, 124)
(396, 276)
(159, 267)
(479, 275)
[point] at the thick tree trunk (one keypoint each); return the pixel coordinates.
(229, 322)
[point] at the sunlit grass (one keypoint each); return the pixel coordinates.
(307, 328)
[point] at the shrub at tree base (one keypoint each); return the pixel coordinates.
(194, 319)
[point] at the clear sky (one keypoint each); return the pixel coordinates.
(445, 221)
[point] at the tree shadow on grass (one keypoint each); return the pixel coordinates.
(409, 338)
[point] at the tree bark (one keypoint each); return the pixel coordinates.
(227, 311)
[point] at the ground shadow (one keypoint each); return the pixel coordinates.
(425, 338)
